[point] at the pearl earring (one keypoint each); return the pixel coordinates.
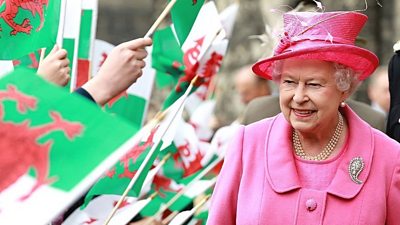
(342, 104)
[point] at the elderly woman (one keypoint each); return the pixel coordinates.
(316, 162)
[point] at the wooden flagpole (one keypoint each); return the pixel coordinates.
(160, 18)
(148, 156)
(189, 185)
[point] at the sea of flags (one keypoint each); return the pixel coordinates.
(123, 164)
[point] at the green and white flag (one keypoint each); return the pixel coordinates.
(87, 35)
(52, 147)
(167, 57)
(26, 26)
(183, 15)
(99, 208)
(71, 36)
(199, 57)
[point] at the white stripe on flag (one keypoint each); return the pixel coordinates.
(71, 31)
(6, 66)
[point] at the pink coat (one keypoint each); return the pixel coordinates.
(258, 183)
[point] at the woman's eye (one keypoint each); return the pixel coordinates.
(314, 85)
(288, 82)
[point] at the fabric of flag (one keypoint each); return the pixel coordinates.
(199, 56)
(187, 152)
(46, 133)
(200, 118)
(117, 179)
(101, 51)
(6, 66)
(183, 15)
(168, 188)
(71, 36)
(99, 208)
(29, 61)
(26, 26)
(167, 57)
(87, 36)
(133, 103)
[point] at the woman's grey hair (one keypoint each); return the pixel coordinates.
(346, 78)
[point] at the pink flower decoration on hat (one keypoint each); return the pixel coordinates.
(284, 43)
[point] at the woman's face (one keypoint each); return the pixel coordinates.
(309, 98)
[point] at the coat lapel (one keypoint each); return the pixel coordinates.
(360, 144)
(280, 166)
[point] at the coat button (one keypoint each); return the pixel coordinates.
(311, 204)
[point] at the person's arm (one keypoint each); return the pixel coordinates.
(55, 67)
(224, 199)
(120, 70)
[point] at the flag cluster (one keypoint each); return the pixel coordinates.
(128, 167)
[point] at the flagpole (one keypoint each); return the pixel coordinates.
(42, 52)
(181, 192)
(61, 24)
(160, 18)
(148, 156)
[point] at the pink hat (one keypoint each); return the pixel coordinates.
(325, 36)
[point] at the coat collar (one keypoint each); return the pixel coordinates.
(281, 169)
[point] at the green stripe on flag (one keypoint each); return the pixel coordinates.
(167, 57)
(69, 45)
(183, 15)
(131, 108)
(85, 34)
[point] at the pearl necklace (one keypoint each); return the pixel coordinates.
(328, 148)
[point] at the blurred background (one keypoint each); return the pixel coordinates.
(255, 31)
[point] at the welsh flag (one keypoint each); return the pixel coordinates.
(117, 179)
(97, 211)
(101, 51)
(188, 152)
(44, 141)
(26, 26)
(227, 17)
(87, 36)
(176, 195)
(71, 36)
(167, 57)
(183, 15)
(200, 57)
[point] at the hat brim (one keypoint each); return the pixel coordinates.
(360, 60)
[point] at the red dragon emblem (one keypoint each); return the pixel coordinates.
(131, 157)
(11, 11)
(16, 159)
(190, 60)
